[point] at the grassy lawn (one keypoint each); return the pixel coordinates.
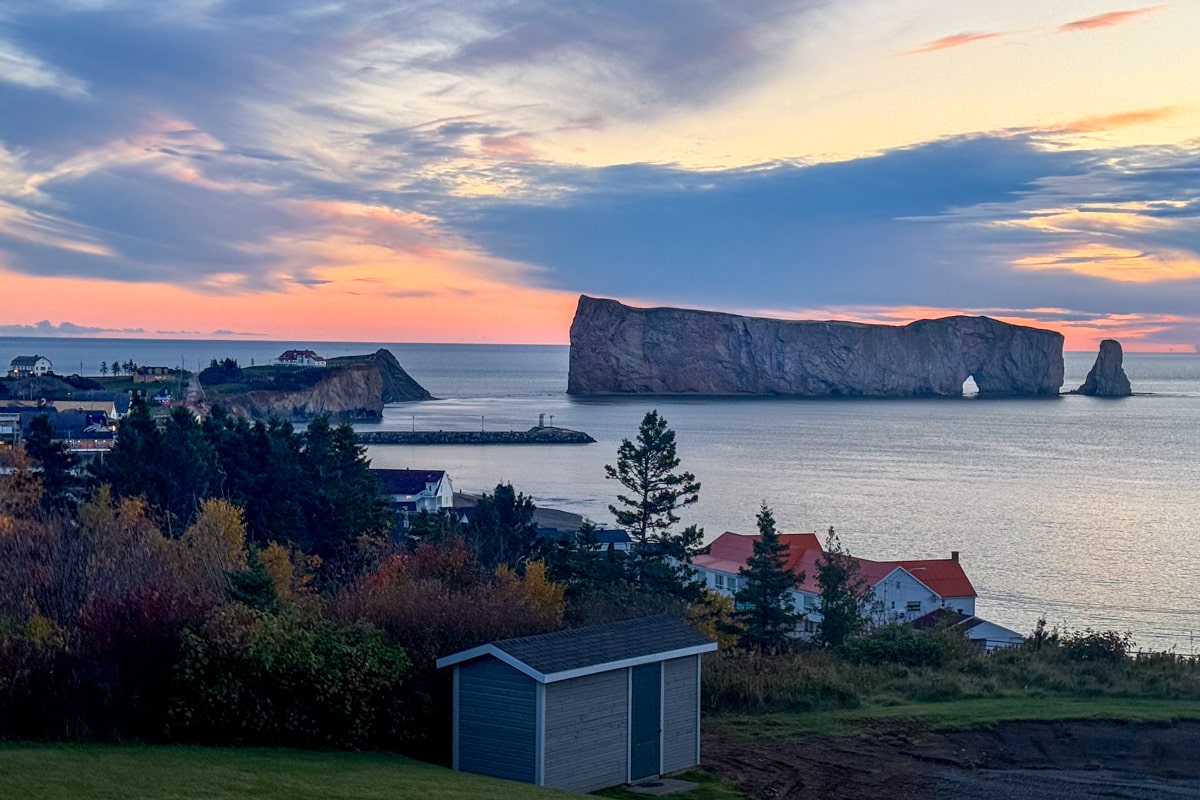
(134, 772)
(710, 788)
(951, 714)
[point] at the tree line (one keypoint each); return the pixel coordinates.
(224, 581)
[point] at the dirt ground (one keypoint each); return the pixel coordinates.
(1026, 760)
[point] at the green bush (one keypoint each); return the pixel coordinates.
(1107, 646)
(246, 676)
(900, 644)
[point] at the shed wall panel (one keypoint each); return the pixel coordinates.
(497, 732)
(587, 731)
(681, 722)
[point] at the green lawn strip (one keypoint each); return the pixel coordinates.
(710, 788)
(951, 714)
(136, 772)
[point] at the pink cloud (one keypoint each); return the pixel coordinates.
(947, 42)
(517, 146)
(1105, 20)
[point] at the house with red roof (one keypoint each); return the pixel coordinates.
(901, 591)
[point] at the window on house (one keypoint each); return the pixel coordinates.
(913, 606)
(719, 580)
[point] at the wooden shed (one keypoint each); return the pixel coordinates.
(581, 709)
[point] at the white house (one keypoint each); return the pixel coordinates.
(23, 366)
(988, 635)
(901, 591)
(411, 491)
(300, 358)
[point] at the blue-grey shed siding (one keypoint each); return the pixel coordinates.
(587, 731)
(497, 721)
(681, 713)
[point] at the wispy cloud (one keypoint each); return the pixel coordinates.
(22, 69)
(1106, 20)
(48, 328)
(947, 42)
(1123, 119)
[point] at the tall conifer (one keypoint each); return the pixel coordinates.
(764, 608)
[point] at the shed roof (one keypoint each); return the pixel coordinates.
(557, 656)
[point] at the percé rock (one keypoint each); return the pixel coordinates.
(616, 349)
(1107, 377)
(350, 388)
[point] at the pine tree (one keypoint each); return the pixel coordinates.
(844, 593)
(58, 481)
(660, 561)
(647, 470)
(764, 608)
(503, 530)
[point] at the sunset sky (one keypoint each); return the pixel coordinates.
(395, 171)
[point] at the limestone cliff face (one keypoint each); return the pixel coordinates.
(1107, 377)
(350, 388)
(616, 349)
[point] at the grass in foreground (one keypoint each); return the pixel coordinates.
(125, 772)
(951, 714)
(709, 787)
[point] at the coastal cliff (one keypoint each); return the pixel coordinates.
(616, 349)
(349, 388)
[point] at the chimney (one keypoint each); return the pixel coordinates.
(954, 556)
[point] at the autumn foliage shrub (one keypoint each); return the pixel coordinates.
(245, 676)
(439, 600)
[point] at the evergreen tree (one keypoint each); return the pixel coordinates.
(647, 470)
(55, 460)
(188, 467)
(844, 594)
(503, 530)
(660, 561)
(132, 466)
(433, 526)
(764, 608)
(578, 560)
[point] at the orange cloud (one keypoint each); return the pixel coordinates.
(1122, 120)
(1105, 20)
(1117, 264)
(947, 42)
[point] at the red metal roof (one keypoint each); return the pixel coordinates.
(730, 551)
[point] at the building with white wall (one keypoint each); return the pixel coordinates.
(901, 591)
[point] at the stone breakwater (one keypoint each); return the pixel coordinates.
(616, 349)
(531, 436)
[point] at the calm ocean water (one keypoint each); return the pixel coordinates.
(1082, 510)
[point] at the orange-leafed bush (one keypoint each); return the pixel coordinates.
(438, 600)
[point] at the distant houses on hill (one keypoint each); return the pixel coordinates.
(25, 366)
(300, 358)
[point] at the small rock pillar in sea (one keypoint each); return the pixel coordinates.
(1107, 378)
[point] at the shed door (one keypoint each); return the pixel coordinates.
(645, 724)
